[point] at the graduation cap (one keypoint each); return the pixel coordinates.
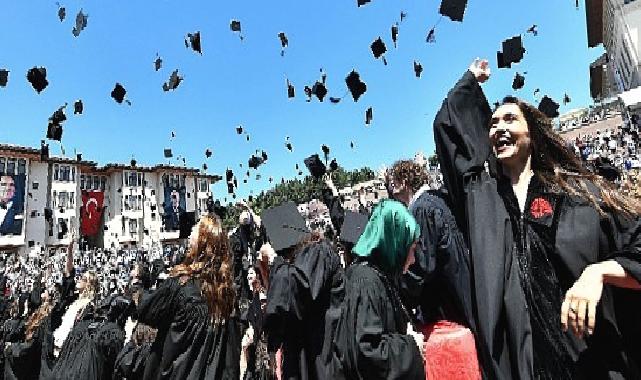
(62, 12)
(291, 91)
(394, 34)
(235, 27)
(284, 42)
(173, 134)
(566, 99)
(158, 63)
(44, 151)
(536, 91)
(360, 3)
(239, 129)
(512, 52)
(454, 9)
(319, 90)
(378, 49)
(315, 166)
(37, 76)
(288, 145)
(247, 137)
(369, 116)
(168, 153)
(533, 30)
(518, 82)
(54, 128)
(208, 153)
(81, 23)
(229, 175)
(187, 222)
(418, 69)
(78, 157)
(351, 144)
(4, 77)
(353, 226)
(431, 36)
(549, 107)
(296, 166)
(255, 161)
(403, 16)
(284, 226)
(193, 40)
(173, 82)
(118, 93)
(78, 107)
(355, 85)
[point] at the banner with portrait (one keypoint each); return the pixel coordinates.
(12, 200)
(175, 206)
(91, 212)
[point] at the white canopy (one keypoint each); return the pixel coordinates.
(631, 97)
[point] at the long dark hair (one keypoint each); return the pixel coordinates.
(561, 170)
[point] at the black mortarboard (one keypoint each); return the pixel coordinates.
(355, 85)
(239, 129)
(296, 166)
(173, 134)
(205, 167)
(247, 173)
(315, 166)
(37, 76)
(44, 151)
(118, 93)
(173, 82)
(566, 99)
(291, 91)
(403, 16)
(512, 52)
(229, 175)
(81, 23)
(264, 155)
(334, 100)
(54, 129)
(230, 188)
(454, 9)
(247, 137)
(187, 222)
(533, 30)
(378, 49)
(62, 12)
(518, 82)
(353, 226)
(168, 153)
(351, 144)
(319, 90)
(360, 3)
(234, 25)
(78, 107)
(369, 116)
(158, 63)
(193, 40)
(284, 226)
(4, 77)
(549, 107)
(289, 146)
(418, 69)
(208, 153)
(284, 42)
(394, 34)
(536, 91)
(431, 36)
(78, 156)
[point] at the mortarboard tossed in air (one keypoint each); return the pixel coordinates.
(395, 34)
(533, 30)
(291, 91)
(284, 42)
(315, 166)
(173, 82)
(360, 3)
(247, 137)
(351, 144)
(62, 12)
(173, 134)
(44, 151)
(54, 129)
(158, 63)
(431, 36)
(208, 153)
(355, 85)
(78, 157)
(284, 226)
(296, 166)
(549, 107)
(566, 99)
(235, 27)
(229, 175)
(37, 76)
(319, 89)
(353, 226)
(81, 23)
(4, 77)
(78, 107)
(167, 153)
(193, 40)
(418, 69)
(118, 93)
(512, 52)
(204, 167)
(288, 144)
(369, 116)
(454, 9)
(518, 82)
(378, 49)
(239, 129)
(536, 91)
(334, 100)
(403, 16)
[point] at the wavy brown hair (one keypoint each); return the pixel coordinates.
(408, 172)
(35, 320)
(208, 260)
(561, 170)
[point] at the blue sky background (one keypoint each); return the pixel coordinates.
(236, 82)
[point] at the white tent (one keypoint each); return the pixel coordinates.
(631, 98)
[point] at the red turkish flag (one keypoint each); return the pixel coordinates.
(91, 213)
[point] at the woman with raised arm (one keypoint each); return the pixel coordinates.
(555, 249)
(197, 337)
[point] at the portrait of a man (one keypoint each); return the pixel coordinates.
(11, 204)
(174, 208)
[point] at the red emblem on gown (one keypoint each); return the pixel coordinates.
(540, 208)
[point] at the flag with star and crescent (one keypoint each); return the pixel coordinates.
(91, 213)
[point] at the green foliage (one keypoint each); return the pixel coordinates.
(299, 191)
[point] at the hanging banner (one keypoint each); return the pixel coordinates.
(12, 191)
(91, 212)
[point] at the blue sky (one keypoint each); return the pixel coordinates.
(243, 83)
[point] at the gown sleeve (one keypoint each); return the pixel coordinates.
(629, 257)
(380, 355)
(461, 134)
(155, 306)
(336, 210)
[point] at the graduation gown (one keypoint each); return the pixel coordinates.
(370, 341)
(188, 345)
(130, 363)
(297, 299)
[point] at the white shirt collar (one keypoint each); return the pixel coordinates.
(420, 192)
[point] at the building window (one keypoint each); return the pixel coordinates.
(22, 166)
(82, 182)
(96, 183)
(133, 227)
(54, 198)
(71, 200)
(2, 165)
(204, 185)
(11, 166)
(103, 183)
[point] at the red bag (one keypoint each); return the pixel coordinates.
(450, 352)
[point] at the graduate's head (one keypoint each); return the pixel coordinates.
(208, 260)
(87, 285)
(7, 188)
(390, 237)
(511, 131)
(404, 179)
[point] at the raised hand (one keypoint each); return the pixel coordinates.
(481, 70)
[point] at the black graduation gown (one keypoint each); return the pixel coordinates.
(188, 345)
(370, 340)
(297, 299)
(130, 363)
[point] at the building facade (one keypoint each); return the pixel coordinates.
(44, 201)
